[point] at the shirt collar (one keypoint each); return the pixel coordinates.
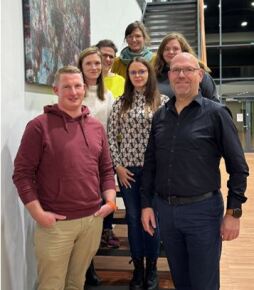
(170, 105)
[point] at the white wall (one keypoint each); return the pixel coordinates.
(20, 103)
(109, 19)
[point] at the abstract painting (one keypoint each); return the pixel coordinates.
(55, 31)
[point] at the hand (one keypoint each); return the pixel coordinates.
(125, 176)
(44, 218)
(48, 219)
(148, 220)
(105, 210)
(230, 228)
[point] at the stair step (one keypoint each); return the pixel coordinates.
(115, 287)
(161, 18)
(119, 217)
(122, 251)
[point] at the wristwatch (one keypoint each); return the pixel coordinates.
(235, 212)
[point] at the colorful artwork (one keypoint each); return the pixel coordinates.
(55, 32)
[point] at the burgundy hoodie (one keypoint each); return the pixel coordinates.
(64, 163)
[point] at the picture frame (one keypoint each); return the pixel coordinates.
(55, 32)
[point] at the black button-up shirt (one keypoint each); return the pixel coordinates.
(184, 152)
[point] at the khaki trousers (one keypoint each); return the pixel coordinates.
(64, 252)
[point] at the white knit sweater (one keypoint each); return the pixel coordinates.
(99, 109)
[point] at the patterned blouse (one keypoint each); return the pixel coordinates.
(128, 134)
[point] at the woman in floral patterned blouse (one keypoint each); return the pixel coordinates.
(128, 130)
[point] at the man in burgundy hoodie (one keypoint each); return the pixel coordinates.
(62, 167)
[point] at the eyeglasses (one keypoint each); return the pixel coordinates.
(187, 71)
(134, 36)
(140, 72)
(105, 55)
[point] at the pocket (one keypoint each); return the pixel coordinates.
(78, 192)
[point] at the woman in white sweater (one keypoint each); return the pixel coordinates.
(99, 102)
(97, 98)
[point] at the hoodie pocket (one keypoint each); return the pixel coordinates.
(78, 192)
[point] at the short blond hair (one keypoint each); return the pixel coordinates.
(68, 69)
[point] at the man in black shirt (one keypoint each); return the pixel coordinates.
(181, 175)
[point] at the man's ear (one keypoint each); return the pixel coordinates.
(169, 74)
(201, 74)
(55, 89)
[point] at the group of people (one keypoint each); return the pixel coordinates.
(154, 120)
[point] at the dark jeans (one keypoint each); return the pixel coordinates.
(141, 243)
(191, 238)
(108, 221)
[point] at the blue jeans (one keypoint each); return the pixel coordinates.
(141, 243)
(191, 238)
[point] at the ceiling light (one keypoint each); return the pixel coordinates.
(252, 4)
(244, 23)
(205, 6)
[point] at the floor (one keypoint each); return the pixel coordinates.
(237, 262)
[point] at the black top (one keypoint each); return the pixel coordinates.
(207, 86)
(184, 152)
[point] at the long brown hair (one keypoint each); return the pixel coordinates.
(151, 92)
(99, 82)
(160, 63)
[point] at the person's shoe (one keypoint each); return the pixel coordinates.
(151, 277)
(109, 240)
(137, 281)
(92, 278)
(113, 241)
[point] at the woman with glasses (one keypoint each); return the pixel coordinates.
(112, 81)
(171, 45)
(137, 40)
(129, 128)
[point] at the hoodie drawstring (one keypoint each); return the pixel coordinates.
(82, 125)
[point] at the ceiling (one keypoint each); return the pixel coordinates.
(234, 12)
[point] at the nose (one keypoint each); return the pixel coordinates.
(181, 73)
(73, 90)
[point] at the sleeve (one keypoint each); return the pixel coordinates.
(149, 172)
(114, 133)
(115, 67)
(232, 152)
(107, 180)
(208, 88)
(27, 162)
(119, 67)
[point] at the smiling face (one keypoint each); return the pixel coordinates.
(172, 48)
(136, 40)
(91, 68)
(108, 56)
(138, 74)
(70, 91)
(185, 75)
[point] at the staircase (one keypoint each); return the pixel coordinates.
(123, 251)
(182, 16)
(119, 220)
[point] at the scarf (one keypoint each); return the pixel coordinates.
(127, 55)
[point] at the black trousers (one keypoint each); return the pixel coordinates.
(191, 238)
